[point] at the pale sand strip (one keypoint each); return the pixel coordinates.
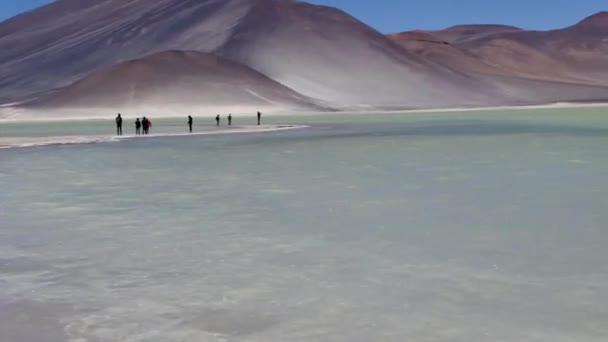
(359, 111)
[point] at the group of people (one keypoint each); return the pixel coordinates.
(218, 119)
(143, 126)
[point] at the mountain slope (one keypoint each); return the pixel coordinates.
(175, 79)
(577, 53)
(322, 54)
(557, 65)
(60, 43)
(315, 50)
(499, 51)
(460, 33)
(584, 45)
(435, 48)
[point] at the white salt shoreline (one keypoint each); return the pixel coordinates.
(560, 105)
(22, 142)
(16, 118)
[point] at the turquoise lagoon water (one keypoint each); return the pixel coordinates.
(485, 226)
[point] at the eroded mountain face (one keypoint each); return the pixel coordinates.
(313, 56)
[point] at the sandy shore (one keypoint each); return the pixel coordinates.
(15, 142)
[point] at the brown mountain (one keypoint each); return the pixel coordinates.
(595, 24)
(59, 43)
(567, 59)
(318, 51)
(584, 45)
(320, 54)
(577, 50)
(460, 33)
(324, 53)
(433, 47)
(175, 79)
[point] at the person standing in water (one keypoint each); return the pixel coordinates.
(229, 119)
(137, 127)
(119, 125)
(149, 126)
(217, 120)
(259, 118)
(144, 125)
(190, 121)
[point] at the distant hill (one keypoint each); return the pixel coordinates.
(568, 64)
(284, 53)
(175, 79)
(460, 33)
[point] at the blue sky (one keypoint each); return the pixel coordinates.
(401, 15)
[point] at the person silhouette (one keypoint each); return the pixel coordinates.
(259, 118)
(119, 125)
(137, 127)
(229, 119)
(144, 125)
(190, 121)
(217, 120)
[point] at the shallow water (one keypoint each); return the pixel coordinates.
(486, 226)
